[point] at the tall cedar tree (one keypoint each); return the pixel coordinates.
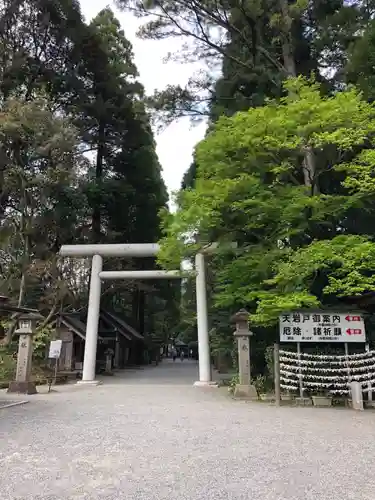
(86, 74)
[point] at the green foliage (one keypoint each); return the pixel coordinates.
(360, 65)
(295, 250)
(41, 341)
(8, 363)
(262, 384)
(43, 160)
(187, 326)
(221, 345)
(233, 382)
(348, 261)
(248, 182)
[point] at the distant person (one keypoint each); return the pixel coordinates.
(174, 354)
(182, 355)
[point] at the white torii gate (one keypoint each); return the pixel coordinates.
(97, 252)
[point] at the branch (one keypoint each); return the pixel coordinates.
(225, 23)
(48, 317)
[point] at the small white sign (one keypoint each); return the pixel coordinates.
(55, 349)
(321, 326)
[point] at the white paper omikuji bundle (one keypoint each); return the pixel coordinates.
(332, 373)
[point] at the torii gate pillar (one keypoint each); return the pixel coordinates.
(205, 373)
(92, 323)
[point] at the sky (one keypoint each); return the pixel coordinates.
(175, 144)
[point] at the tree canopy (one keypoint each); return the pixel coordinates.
(78, 160)
(286, 167)
(285, 170)
(256, 43)
(298, 246)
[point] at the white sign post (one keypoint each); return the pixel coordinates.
(322, 326)
(54, 353)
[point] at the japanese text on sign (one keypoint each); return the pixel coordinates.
(321, 327)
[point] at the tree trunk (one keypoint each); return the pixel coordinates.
(135, 308)
(21, 295)
(22, 290)
(96, 214)
(26, 260)
(287, 43)
(141, 311)
(49, 316)
(309, 163)
(309, 170)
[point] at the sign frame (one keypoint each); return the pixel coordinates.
(322, 326)
(55, 348)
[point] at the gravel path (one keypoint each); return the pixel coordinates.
(151, 435)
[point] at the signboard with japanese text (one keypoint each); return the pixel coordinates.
(321, 326)
(55, 349)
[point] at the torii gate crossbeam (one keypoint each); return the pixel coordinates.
(97, 252)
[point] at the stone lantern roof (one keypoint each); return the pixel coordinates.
(241, 316)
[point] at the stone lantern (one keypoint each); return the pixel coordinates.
(26, 328)
(242, 333)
